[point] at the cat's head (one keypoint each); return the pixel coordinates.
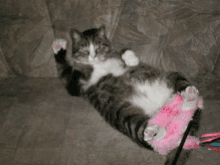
(89, 46)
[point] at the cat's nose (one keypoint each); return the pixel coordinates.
(92, 54)
(92, 51)
(90, 58)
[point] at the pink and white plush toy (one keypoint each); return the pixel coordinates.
(172, 120)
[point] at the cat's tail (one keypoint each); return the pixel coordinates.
(69, 77)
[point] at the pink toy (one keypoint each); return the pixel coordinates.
(173, 122)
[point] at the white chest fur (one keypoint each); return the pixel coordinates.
(100, 69)
(151, 96)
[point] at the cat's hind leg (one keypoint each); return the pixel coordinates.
(190, 98)
(130, 58)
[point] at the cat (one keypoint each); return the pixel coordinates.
(125, 91)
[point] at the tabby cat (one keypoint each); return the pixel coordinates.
(126, 92)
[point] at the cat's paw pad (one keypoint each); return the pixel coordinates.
(58, 44)
(130, 58)
(190, 98)
(150, 132)
(154, 132)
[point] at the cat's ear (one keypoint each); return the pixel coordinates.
(75, 35)
(101, 31)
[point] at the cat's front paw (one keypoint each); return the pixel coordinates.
(190, 98)
(130, 58)
(58, 44)
(153, 132)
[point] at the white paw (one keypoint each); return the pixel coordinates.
(190, 98)
(153, 132)
(58, 44)
(130, 58)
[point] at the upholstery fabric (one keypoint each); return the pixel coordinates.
(40, 124)
(179, 35)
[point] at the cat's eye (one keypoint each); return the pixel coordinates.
(98, 42)
(82, 45)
